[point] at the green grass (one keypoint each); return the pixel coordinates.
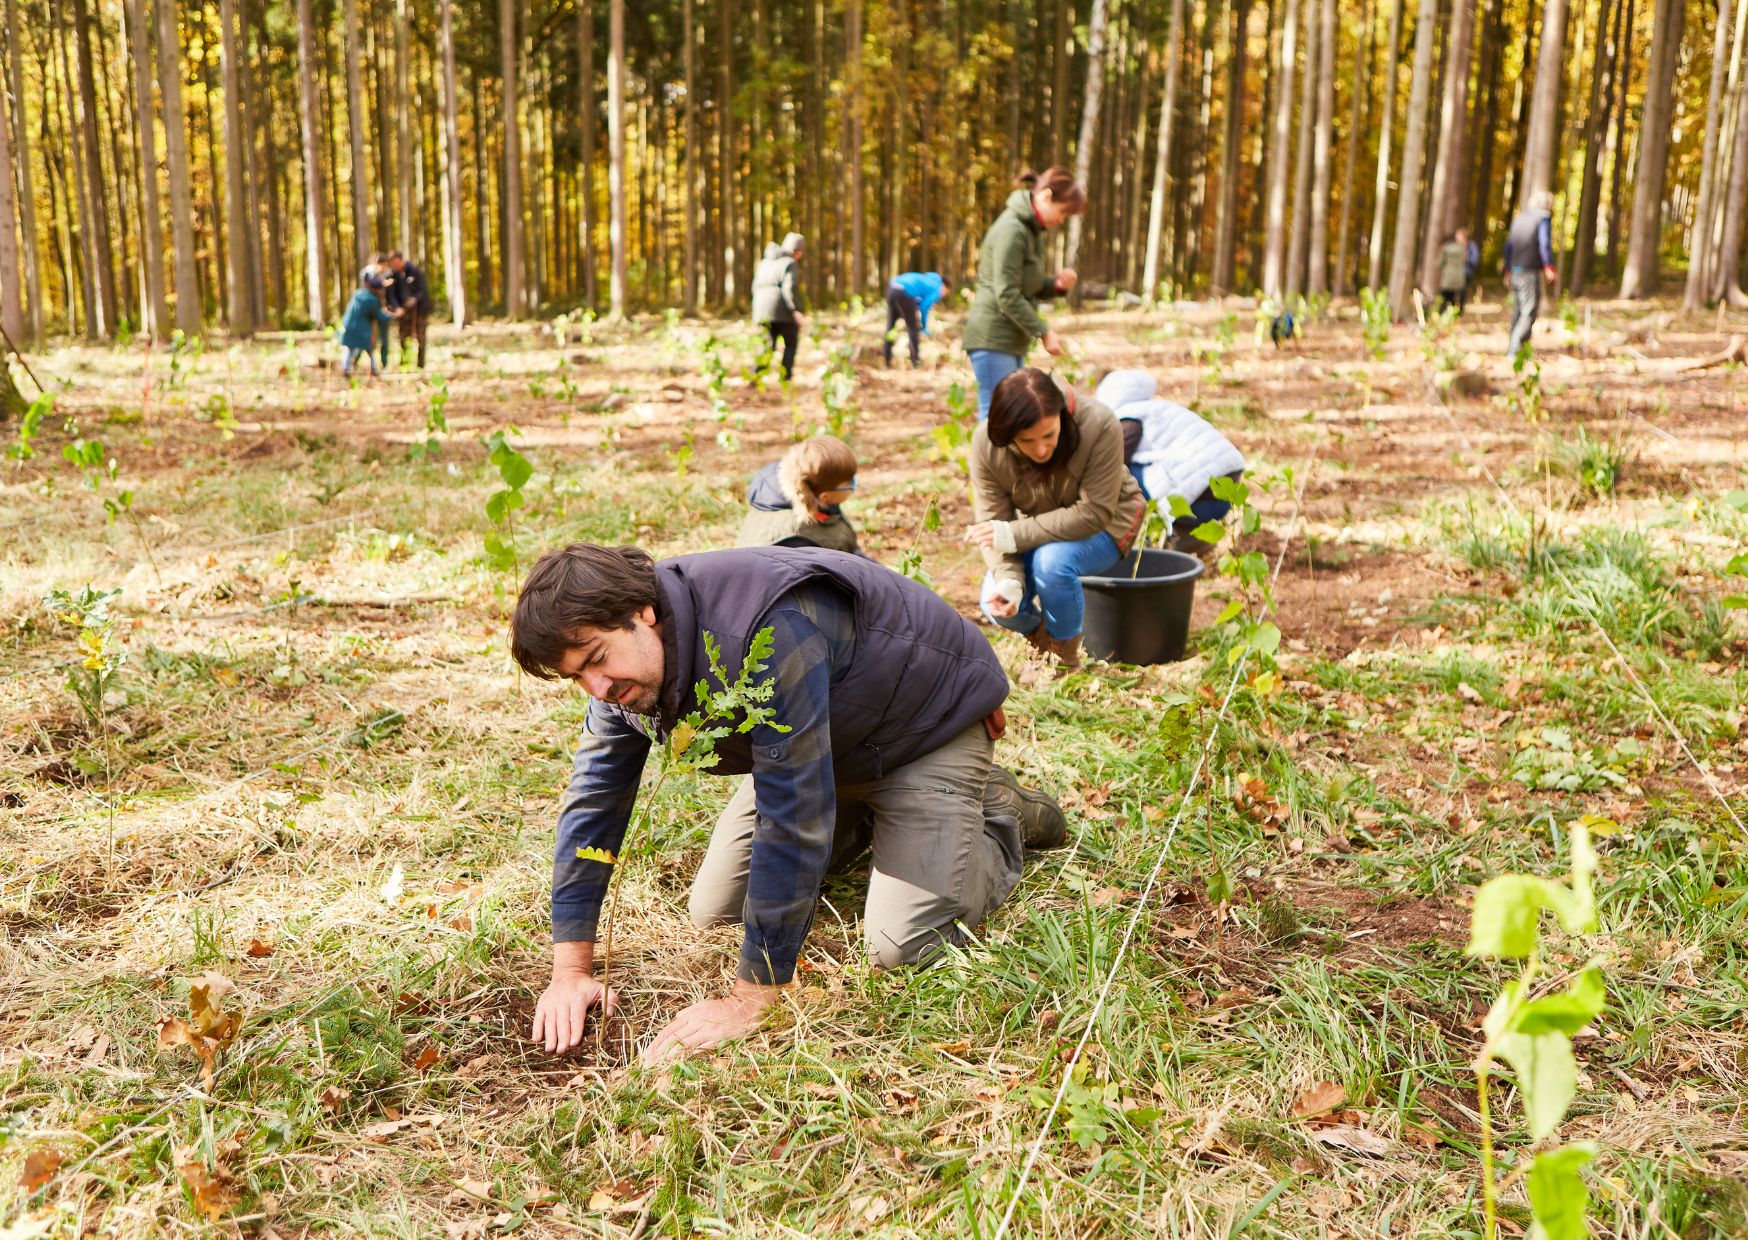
(254, 805)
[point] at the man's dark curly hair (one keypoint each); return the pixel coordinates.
(582, 586)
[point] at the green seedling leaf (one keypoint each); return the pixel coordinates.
(1738, 565)
(1180, 507)
(1209, 532)
(1230, 611)
(1557, 1192)
(596, 854)
(932, 518)
(1736, 602)
(1266, 639)
(1229, 489)
(1503, 922)
(1565, 1012)
(1737, 500)
(1547, 1076)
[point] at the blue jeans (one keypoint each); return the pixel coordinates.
(990, 368)
(1053, 574)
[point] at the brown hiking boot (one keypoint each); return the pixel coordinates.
(1067, 652)
(1042, 823)
(1039, 639)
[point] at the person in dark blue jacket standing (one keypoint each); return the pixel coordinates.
(910, 297)
(885, 705)
(1529, 257)
(408, 292)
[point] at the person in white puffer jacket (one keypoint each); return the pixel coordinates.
(1171, 450)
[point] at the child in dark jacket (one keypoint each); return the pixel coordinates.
(355, 329)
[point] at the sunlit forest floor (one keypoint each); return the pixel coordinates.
(316, 775)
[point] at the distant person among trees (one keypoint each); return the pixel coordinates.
(409, 293)
(910, 297)
(777, 297)
(1453, 272)
(364, 314)
(1053, 501)
(374, 276)
(885, 706)
(794, 501)
(1011, 279)
(1171, 450)
(1529, 258)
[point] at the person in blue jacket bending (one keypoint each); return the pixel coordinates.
(909, 297)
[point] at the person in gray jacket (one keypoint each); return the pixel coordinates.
(777, 298)
(1529, 257)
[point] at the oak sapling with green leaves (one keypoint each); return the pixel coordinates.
(92, 679)
(1531, 1027)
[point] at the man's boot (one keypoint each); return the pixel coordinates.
(1042, 824)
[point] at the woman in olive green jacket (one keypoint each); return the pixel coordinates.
(1053, 501)
(1011, 279)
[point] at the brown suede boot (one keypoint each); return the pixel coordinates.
(1067, 652)
(1040, 640)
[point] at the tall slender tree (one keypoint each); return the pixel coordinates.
(1300, 234)
(1727, 270)
(1700, 235)
(358, 175)
(403, 133)
(1162, 157)
(239, 277)
(1381, 186)
(586, 107)
(1275, 247)
(1543, 124)
(1639, 272)
(1232, 156)
(1089, 116)
(314, 192)
(99, 254)
(454, 264)
(616, 149)
(512, 131)
(11, 268)
(693, 182)
(1317, 274)
(1359, 109)
(1413, 155)
(1596, 116)
(1445, 203)
(189, 310)
(30, 259)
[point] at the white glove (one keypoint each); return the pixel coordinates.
(1012, 589)
(1004, 537)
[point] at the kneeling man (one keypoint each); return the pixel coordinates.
(890, 704)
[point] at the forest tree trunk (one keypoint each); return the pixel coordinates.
(1089, 116)
(1317, 276)
(1226, 218)
(1275, 247)
(1413, 155)
(355, 123)
(314, 191)
(1299, 234)
(1359, 112)
(1645, 236)
(616, 152)
(97, 249)
(1699, 237)
(454, 264)
(1381, 186)
(1162, 159)
(1444, 205)
(237, 281)
(513, 262)
(1544, 115)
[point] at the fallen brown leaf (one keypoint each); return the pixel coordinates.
(39, 1169)
(333, 1099)
(427, 1057)
(1321, 1097)
(259, 950)
(213, 1192)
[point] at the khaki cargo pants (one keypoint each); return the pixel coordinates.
(940, 864)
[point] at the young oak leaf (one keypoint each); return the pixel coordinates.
(596, 854)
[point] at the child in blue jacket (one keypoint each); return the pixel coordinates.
(355, 329)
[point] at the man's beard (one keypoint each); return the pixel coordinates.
(639, 699)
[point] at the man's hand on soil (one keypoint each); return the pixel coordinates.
(712, 1022)
(564, 1007)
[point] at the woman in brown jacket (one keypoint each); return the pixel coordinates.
(1053, 501)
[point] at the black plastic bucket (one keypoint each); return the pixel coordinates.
(1141, 616)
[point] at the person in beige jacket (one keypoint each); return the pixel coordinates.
(1053, 501)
